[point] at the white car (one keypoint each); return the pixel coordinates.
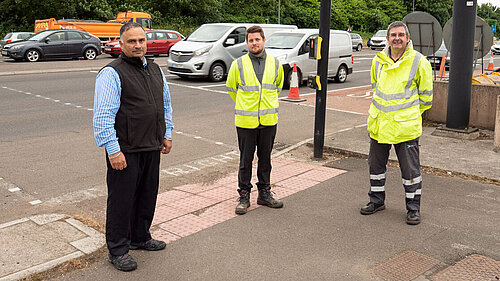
(378, 40)
(495, 49)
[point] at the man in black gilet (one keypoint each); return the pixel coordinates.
(133, 121)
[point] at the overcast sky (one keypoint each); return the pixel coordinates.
(492, 2)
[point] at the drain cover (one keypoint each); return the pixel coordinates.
(405, 266)
(474, 267)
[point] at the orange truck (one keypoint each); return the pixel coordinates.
(104, 30)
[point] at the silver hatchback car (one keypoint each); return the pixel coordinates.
(14, 37)
(357, 42)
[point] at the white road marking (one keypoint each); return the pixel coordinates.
(214, 85)
(197, 88)
(14, 189)
(279, 153)
(46, 98)
(35, 202)
(197, 165)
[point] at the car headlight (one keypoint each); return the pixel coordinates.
(281, 58)
(17, 47)
(202, 51)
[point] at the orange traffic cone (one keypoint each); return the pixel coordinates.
(491, 67)
(442, 71)
(293, 94)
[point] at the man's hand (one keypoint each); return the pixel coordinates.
(167, 145)
(118, 161)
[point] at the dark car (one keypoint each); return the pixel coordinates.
(12, 37)
(54, 44)
(158, 42)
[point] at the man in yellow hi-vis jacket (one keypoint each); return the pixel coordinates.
(402, 90)
(254, 83)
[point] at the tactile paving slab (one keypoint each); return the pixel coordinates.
(474, 267)
(405, 267)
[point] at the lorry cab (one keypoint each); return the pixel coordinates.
(293, 46)
(210, 49)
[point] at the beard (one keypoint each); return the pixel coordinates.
(257, 51)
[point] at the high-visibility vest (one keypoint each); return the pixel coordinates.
(402, 91)
(255, 103)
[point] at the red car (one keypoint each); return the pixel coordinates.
(158, 41)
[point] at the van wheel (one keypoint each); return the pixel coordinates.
(341, 74)
(359, 47)
(217, 72)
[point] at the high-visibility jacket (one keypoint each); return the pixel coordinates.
(402, 91)
(255, 103)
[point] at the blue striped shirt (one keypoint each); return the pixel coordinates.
(107, 102)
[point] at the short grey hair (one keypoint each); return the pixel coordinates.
(129, 25)
(397, 24)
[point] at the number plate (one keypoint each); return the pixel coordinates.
(4, 53)
(107, 49)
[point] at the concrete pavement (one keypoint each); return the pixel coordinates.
(319, 234)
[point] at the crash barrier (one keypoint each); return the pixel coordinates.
(492, 79)
(483, 104)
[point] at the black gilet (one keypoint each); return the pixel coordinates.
(140, 122)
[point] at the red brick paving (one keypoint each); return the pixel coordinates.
(190, 208)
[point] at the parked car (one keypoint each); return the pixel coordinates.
(357, 41)
(435, 59)
(378, 40)
(495, 49)
(54, 44)
(14, 37)
(158, 42)
(293, 46)
(210, 49)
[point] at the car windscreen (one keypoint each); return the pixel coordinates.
(283, 41)
(208, 33)
(380, 33)
(39, 36)
(7, 36)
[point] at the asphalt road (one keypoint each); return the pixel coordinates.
(46, 141)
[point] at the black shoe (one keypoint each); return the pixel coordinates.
(124, 262)
(265, 198)
(413, 217)
(150, 245)
(244, 199)
(371, 208)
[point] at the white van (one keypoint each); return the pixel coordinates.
(292, 47)
(210, 49)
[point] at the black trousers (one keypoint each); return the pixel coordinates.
(248, 140)
(131, 200)
(409, 163)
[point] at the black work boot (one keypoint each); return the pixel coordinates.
(265, 198)
(413, 217)
(244, 199)
(371, 208)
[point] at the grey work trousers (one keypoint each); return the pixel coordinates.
(409, 163)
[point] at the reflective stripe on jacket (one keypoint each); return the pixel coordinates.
(402, 91)
(255, 103)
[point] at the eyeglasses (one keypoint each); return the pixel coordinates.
(394, 35)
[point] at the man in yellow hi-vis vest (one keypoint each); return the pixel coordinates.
(402, 90)
(254, 83)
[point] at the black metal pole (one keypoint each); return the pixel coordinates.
(462, 57)
(319, 120)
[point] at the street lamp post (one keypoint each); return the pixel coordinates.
(279, 11)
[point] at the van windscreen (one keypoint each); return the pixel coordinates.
(283, 40)
(208, 33)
